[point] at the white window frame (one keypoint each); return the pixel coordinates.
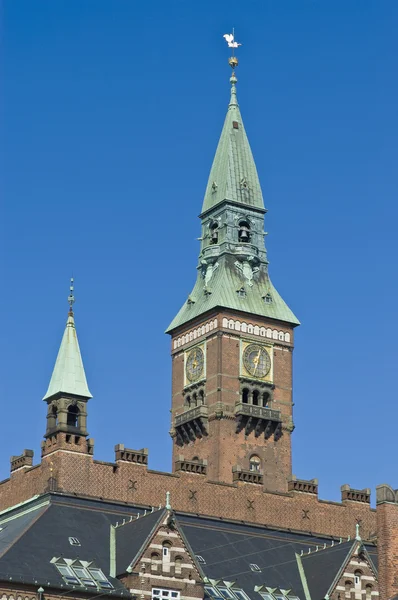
(100, 579)
(69, 574)
(226, 593)
(86, 576)
(267, 596)
(254, 567)
(241, 595)
(165, 593)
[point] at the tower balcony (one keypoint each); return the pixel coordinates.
(191, 424)
(211, 253)
(259, 419)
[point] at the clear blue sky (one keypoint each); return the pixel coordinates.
(111, 115)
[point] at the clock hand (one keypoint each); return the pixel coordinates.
(257, 360)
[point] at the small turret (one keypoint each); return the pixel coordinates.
(68, 392)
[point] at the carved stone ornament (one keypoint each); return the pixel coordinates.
(247, 269)
(208, 270)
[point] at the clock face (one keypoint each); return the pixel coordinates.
(194, 364)
(257, 361)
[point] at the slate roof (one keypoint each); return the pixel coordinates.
(39, 530)
(317, 564)
(131, 538)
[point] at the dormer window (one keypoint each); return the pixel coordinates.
(244, 234)
(214, 233)
(267, 298)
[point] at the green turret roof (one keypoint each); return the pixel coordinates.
(233, 164)
(68, 375)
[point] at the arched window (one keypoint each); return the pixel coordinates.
(188, 402)
(357, 578)
(368, 590)
(256, 395)
(201, 397)
(72, 416)
(266, 398)
(348, 588)
(166, 549)
(53, 417)
(195, 459)
(214, 233)
(245, 396)
(244, 232)
(194, 399)
(255, 463)
(178, 565)
(154, 561)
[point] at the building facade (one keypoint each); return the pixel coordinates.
(231, 423)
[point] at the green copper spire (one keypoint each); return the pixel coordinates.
(233, 265)
(233, 175)
(68, 376)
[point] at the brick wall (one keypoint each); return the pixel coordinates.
(387, 540)
(134, 483)
(223, 447)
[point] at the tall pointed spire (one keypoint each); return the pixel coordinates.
(68, 376)
(233, 175)
(233, 265)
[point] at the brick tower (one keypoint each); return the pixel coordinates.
(67, 396)
(232, 340)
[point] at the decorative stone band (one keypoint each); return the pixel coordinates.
(251, 329)
(139, 457)
(195, 333)
(239, 474)
(302, 485)
(242, 326)
(347, 493)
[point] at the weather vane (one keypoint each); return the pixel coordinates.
(71, 298)
(230, 39)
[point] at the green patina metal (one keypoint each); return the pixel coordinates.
(233, 164)
(233, 265)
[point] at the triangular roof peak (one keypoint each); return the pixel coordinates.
(68, 376)
(233, 176)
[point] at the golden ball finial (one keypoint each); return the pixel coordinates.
(233, 62)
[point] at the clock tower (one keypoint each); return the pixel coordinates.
(232, 340)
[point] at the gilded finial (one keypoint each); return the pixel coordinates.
(233, 61)
(71, 298)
